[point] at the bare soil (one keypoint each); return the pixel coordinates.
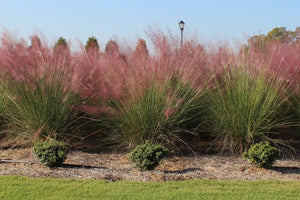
(115, 166)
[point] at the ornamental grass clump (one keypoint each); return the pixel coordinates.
(262, 154)
(42, 108)
(245, 105)
(3, 105)
(41, 97)
(141, 97)
(51, 153)
(163, 113)
(147, 156)
(161, 94)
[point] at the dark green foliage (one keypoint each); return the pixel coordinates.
(147, 156)
(262, 154)
(51, 153)
(92, 43)
(61, 43)
(280, 34)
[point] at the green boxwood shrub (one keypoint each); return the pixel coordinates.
(262, 154)
(52, 153)
(147, 156)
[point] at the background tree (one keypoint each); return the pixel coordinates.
(257, 41)
(141, 49)
(61, 43)
(92, 43)
(280, 34)
(297, 31)
(35, 42)
(111, 47)
(62, 51)
(277, 35)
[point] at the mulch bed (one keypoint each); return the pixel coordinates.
(115, 166)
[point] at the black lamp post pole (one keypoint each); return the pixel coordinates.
(181, 40)
(181, 26)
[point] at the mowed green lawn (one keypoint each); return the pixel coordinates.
(16, 187)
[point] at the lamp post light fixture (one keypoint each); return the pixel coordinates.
(181, 26)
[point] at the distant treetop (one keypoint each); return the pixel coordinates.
(141, 48)
(92, 43)
(111, 47)
(35, 42)
(277, 34)
(61, 43)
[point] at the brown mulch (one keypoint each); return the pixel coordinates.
(115, 166)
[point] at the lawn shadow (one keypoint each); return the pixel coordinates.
(74, 166)
(183, 171)
(287, 170)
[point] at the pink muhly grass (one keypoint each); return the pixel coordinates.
(279, 60)
(29, 63)
(170, 111)
(99, 75)
(190, 60)
(37, 133)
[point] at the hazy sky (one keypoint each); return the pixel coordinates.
(209, 20)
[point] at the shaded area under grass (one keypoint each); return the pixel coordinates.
(287, 170)
(16, 187)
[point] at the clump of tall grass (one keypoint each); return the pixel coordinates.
(283, 61)
(245, 105)
(163, 113)
(140, 96)
(162, 93)
(43, 108)
(3, 105)
(41, 100)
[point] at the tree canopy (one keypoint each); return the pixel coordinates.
(277, 34)
(92, 43)
(111, 47)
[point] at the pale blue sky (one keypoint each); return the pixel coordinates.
(210, 19)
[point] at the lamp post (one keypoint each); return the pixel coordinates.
(181, 26)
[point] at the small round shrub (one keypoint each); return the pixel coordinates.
(147, 156)
(262, 154)
(51, 153)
